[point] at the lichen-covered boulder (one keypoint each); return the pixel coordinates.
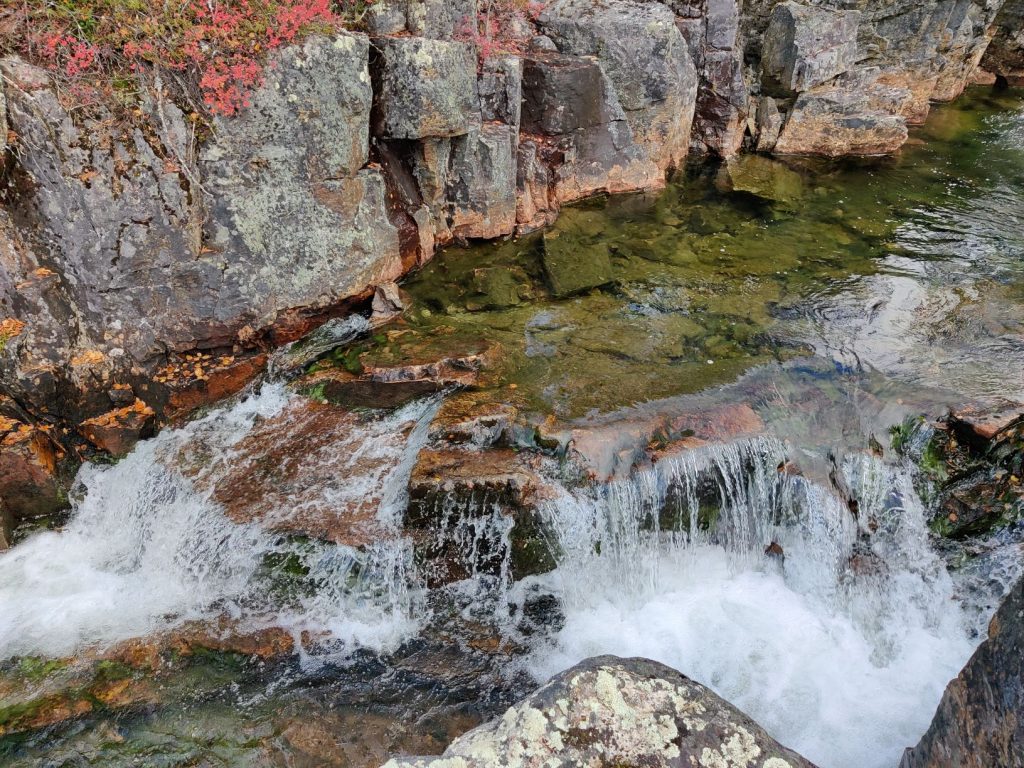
(127, 241)
(978, 723)
(640, 49)
(854, 116)
(296, 157)
(806, 46)
(608, 712)
(436, 19)
(424, 88)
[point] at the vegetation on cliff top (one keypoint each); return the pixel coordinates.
(215, 46)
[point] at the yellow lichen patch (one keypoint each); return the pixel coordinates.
(11, 327)
(119, 415)
(88, 357)
(191, 367)
(8, 425)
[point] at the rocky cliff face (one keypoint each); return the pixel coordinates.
(149, 262)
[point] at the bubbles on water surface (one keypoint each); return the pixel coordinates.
(148, 548)
(840, 644)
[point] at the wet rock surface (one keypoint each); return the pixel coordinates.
(978, 720)
(609, 711)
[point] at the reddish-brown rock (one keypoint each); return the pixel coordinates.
(29, 486)
(117, 431)
(311, 470)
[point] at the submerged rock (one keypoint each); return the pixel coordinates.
(573, 266)
(764, 178)
(608, 712)
(978, 723)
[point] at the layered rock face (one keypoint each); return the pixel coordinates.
(978, 721)
(148, 260)
(608, 711)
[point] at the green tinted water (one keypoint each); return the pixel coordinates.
(874, 264)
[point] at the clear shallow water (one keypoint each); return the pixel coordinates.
(911, 266)
(903, 278)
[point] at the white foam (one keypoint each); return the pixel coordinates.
(147, 550)
(844, 667)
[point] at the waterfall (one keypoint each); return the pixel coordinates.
(840, 639)
(833, 624)
(149, 548)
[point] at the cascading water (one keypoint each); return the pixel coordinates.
(840, 649)
(148, 548)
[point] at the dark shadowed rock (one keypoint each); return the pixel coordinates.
(1005, 54)
(29, 485)
(712, 31)
(608, 712)
(978, 723)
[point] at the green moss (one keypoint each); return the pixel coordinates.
(36, 668)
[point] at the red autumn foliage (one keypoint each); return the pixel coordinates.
(501, 26)
(220, 44)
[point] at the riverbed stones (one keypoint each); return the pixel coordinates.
(608, 711)
(978, 723)
(424, 88)
(805, 46)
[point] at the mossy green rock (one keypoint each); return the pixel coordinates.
(764, 178)
(572, 267)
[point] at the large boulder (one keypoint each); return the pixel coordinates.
(978, 723)
(806, 46)
(424, 88)
(127, 241)
(297, 156)
(607, 712)
(640, 49)
(853, 116)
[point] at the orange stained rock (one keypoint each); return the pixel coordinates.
(88, 357)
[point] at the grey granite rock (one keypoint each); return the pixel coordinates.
(607, 712)
(424, 88)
